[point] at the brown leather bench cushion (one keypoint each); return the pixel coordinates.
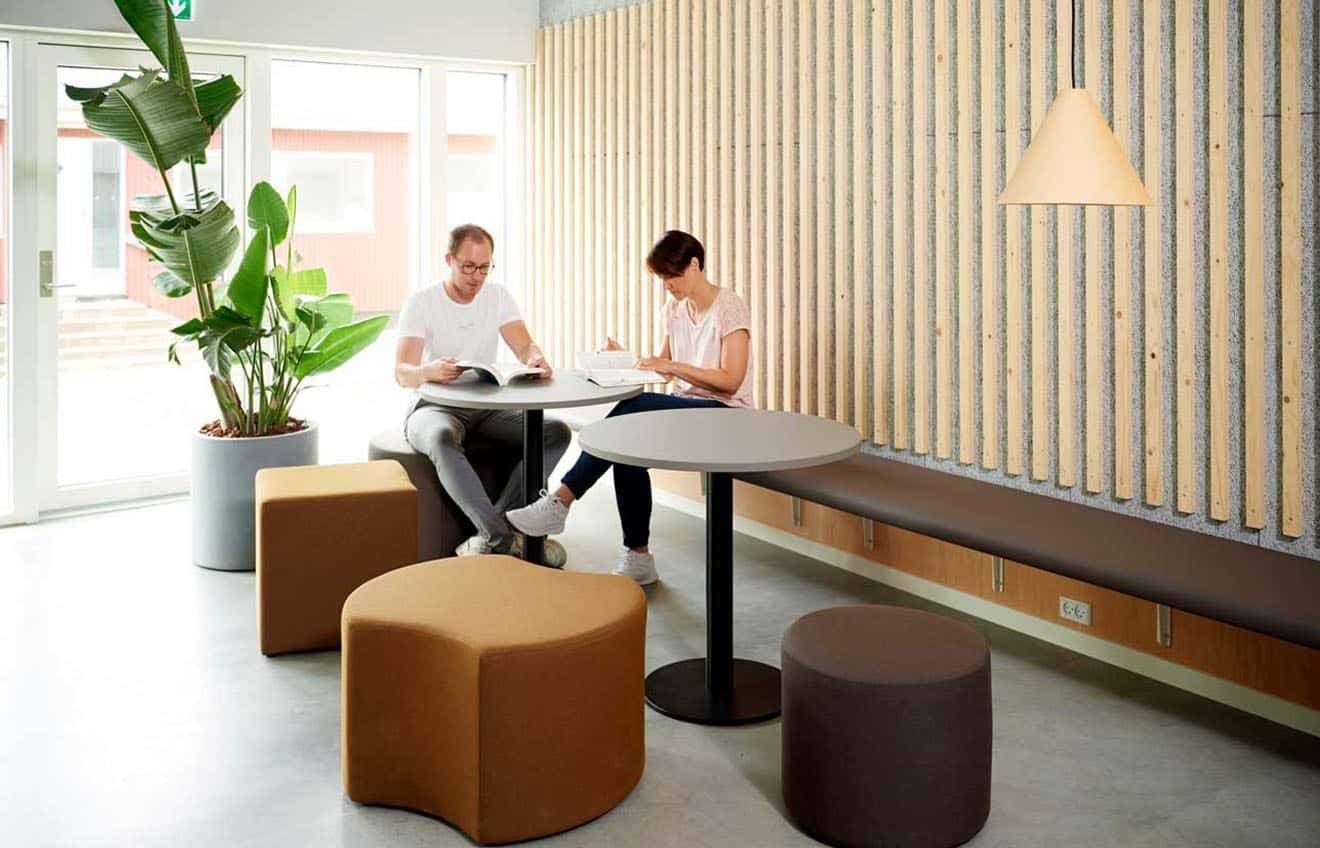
(1260, 589)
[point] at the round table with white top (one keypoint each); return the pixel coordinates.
(564, 389)
(718, 689)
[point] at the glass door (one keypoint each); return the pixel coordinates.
(7, 454)
(116, 416)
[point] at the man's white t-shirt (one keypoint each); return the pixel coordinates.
(461, 330)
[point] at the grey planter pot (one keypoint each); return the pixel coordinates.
(223, 500)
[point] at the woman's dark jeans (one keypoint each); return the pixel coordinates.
(632, 485)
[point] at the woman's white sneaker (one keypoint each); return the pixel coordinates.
(543, 517)
(638, 566)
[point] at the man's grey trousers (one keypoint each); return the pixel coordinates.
(440, 433)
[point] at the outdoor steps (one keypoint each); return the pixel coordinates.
(118, 333)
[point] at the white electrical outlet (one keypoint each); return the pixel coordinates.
(1078, 611)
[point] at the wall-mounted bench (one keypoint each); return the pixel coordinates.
(1273, 593)
(1256, 588)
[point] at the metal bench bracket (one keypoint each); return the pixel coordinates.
(1163, 625)
(997, 573)
(868, 533)
(796, 504)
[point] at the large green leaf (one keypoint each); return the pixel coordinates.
(309, 282)
(196, 247)
(310, 322)
(266, 209)
(336, 307)
(247, 289)
(154, 24)
(215, 99)
(340, 345)
(279, 283)
(217, 356)
(189, 328)
(292, 203)
(289, 288)
(155, 119)
(170, 285)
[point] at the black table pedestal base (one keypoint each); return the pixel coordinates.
(717, 689)
(533, 476)
(678, 690)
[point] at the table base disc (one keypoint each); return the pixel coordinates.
(678, 690)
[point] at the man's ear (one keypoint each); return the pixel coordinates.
(693, 264)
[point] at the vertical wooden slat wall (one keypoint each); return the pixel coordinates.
(1253, 266)
(806, 137)
(1121, 311)
(877, 429)
(818, 403)
(864, 347)
(1096, 437)
(991, 246)
(1290, 271)
(921, 231)
(966, 204)
(1065, 291)
(771, 66)
(843, 175)
(943, 211)
(1041, 387)
(901, 237)
(1015, 365)
(1184, 237)
(756, 102)
(1153, 280)
(845, 80)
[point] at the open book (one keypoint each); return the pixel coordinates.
(615, 368)
(499, 374)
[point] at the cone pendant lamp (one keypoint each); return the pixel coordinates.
(1074, 158)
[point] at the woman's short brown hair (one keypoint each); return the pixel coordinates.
(673, 253)
(464, 232)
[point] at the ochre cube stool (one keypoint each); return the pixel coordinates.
(886, 727)
(322, 531)
(499, 696)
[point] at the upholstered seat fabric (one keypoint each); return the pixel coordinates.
(502, 697)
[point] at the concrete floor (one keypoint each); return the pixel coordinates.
(136, 710)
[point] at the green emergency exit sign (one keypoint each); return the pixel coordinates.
(182, 9)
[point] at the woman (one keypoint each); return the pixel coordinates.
(707, 351)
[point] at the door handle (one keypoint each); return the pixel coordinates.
(46, 259)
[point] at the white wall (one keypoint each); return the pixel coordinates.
(496, 30)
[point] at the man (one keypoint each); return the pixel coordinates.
(464, 317)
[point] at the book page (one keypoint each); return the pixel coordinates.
(616, 368)
(606, 359)
(499, 374)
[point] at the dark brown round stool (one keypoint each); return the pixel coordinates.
(441, 525)
(886, 727)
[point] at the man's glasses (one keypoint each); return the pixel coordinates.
(471, 268)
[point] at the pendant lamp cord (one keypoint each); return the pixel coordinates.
(1072, 64)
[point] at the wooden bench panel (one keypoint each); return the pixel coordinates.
(1256, 588)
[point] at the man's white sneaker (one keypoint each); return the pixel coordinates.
(555, 555)
(543, 517)
(638, 566)
(475, 546)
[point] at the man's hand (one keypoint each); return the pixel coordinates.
(611, 344)
(442, 370)
(538, 360)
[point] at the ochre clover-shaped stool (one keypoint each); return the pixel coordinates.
(502, 697)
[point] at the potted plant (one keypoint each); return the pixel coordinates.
(262, 334)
